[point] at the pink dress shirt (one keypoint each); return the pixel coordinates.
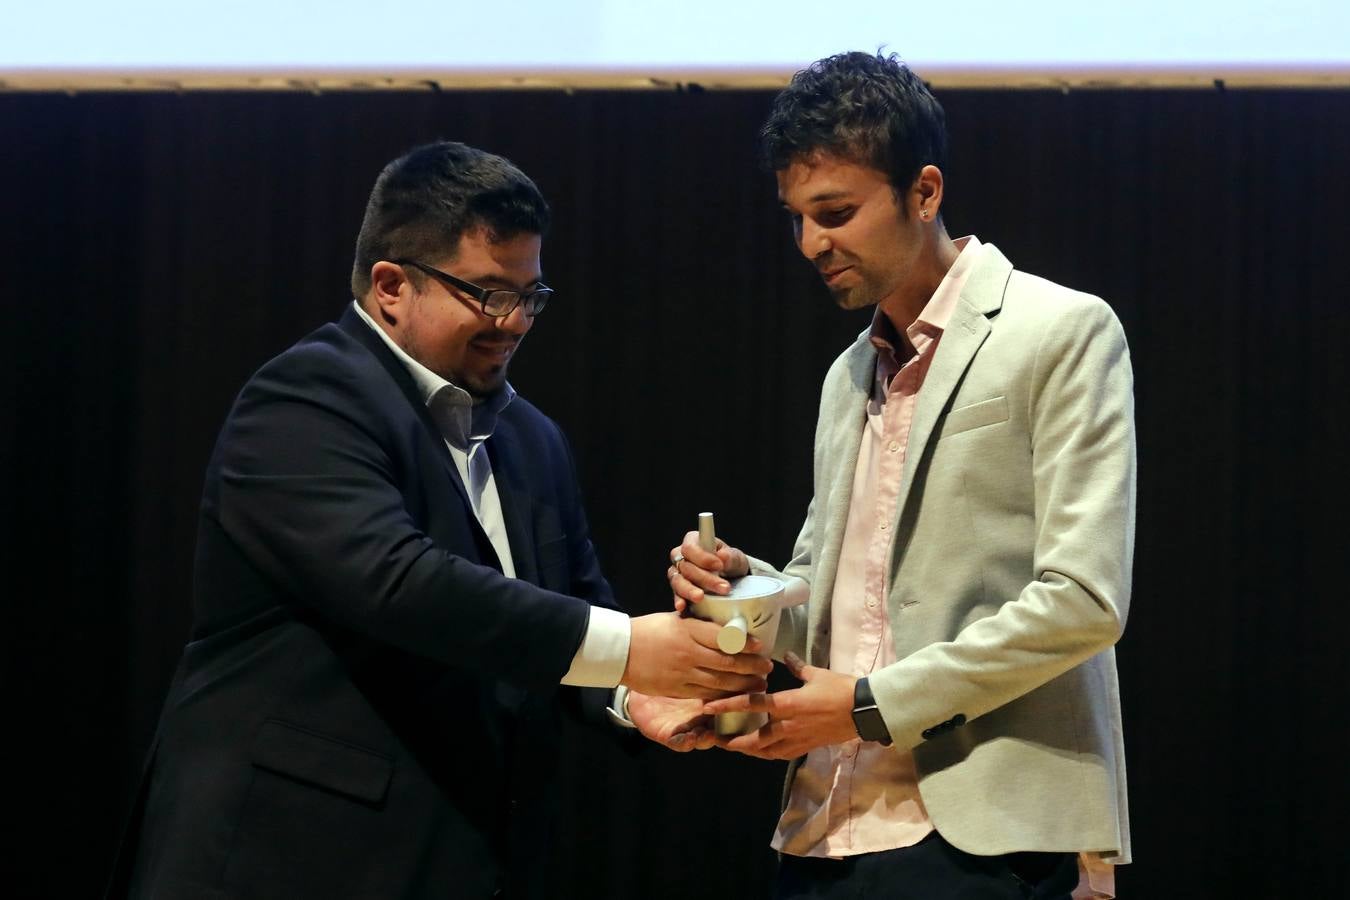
(861, 797)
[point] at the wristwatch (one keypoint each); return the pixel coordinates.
(866, 717)
(617, 711)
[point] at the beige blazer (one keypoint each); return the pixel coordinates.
(1010, 571)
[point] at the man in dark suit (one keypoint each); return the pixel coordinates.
(393, 576)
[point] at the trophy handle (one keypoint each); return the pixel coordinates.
(731, 639)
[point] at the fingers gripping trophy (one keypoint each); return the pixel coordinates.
(750, 609)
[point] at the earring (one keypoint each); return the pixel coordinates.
(923, 213)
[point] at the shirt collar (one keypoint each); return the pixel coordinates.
(937, 312)
(462, 421)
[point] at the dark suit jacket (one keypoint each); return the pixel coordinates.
(365, 707)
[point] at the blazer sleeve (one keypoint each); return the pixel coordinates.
(1082, 447)
(796, 576)
(309, 491)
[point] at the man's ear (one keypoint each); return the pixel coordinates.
(926, 194)
(390, 292)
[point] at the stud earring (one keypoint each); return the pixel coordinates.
(923, 213)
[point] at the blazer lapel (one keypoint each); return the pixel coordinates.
(508, 471)
(356, 327)
(846, 407)
(961, 339)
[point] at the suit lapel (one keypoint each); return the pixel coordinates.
(356, 327)
(508, 470)
(961, 339)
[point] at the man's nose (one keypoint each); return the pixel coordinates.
(815, 241)
(515, 322)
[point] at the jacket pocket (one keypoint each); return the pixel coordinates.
(325, 762)
(975, 415)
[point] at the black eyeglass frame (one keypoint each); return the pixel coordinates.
(533, 301)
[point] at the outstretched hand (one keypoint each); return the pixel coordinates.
(817, 714)
(679, 725)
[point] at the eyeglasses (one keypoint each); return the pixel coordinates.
(495, 303)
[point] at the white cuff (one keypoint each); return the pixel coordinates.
(603, 654)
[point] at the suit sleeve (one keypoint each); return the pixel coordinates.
(796, 576)
(1080, 411)
(311, 497)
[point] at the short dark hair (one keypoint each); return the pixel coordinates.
(867, 109)
(425, 200)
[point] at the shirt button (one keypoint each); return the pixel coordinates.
(885, 526)
(893, 446)
(872, 602)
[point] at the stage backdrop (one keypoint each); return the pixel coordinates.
(158, 248)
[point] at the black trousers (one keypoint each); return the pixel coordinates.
(930, 870)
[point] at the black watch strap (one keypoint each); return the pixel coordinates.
(866, 717)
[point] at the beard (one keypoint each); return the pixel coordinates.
(479, 378)
(851, 298)
(481, 386)
(482, 381)
(862, 293)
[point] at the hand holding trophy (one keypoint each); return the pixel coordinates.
(748, 607)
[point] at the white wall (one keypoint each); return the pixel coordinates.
(688, 35)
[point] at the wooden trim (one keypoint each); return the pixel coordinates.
(942, 78)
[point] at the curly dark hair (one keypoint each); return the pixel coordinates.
(425, 200)
(867, 109)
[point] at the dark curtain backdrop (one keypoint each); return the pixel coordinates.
(157, 248)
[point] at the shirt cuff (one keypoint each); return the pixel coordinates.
(603, 654)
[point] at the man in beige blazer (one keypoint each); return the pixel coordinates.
(978, 752)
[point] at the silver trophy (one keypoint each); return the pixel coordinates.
(750, 609)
